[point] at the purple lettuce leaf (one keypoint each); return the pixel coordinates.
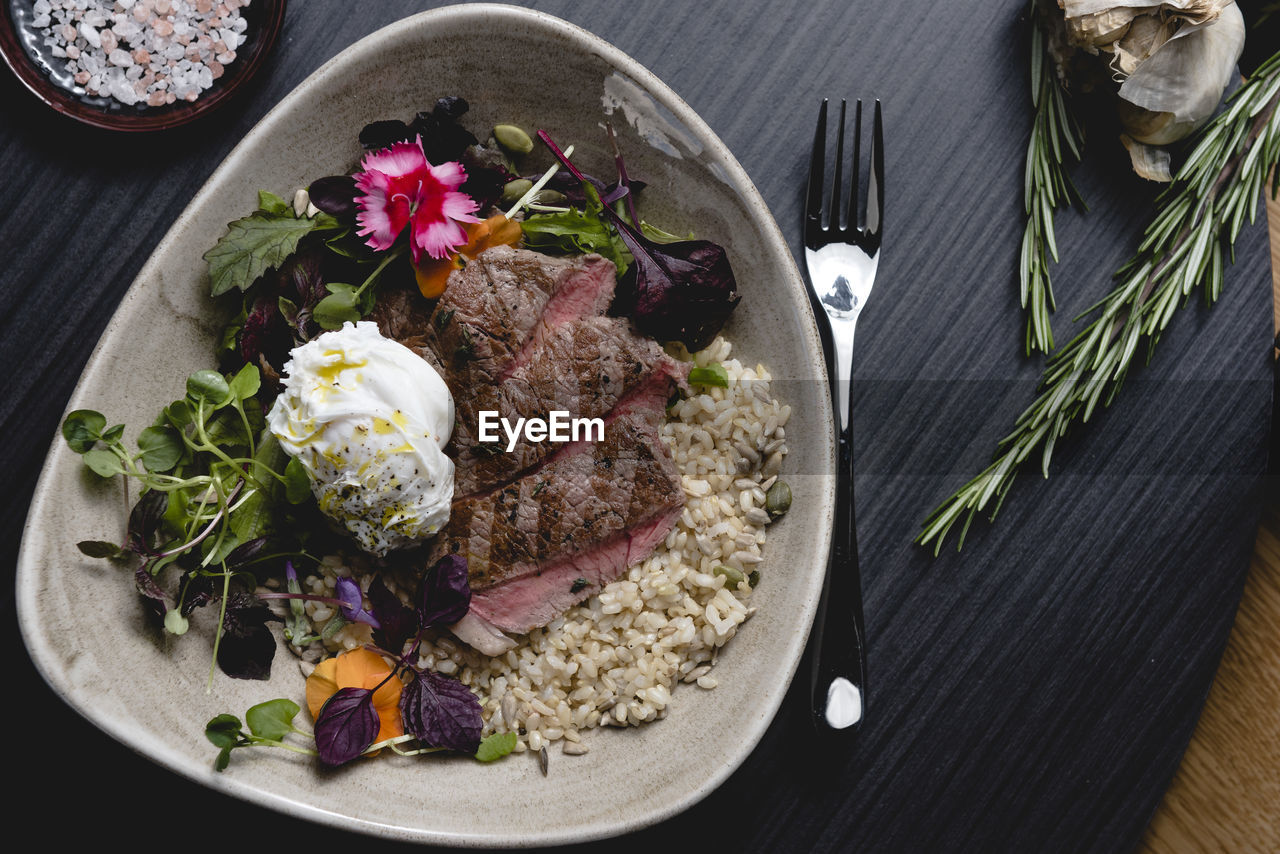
(442, 712)
(346, 726)
(682, 291)
(348, 592)
(397, 622)
(445, 595)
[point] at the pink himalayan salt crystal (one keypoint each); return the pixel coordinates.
(141, 14)
(163, 28)
(204, 7)
(108, 40)
(227, 58)
(73, 52)
(219, 46)
(193, 54)
(155, 99)
(163, 7)
(69, 33)
(204, 42)
(216, 68)
(169, 97)
(192, 95)
(82, 77)
(184, 39)
(141, 56)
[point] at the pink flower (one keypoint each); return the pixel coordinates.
(401, 188)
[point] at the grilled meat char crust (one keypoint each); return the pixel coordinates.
(551, 522)
(547, 525)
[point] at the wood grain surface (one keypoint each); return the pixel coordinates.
(1033, 693)
(1226, 794)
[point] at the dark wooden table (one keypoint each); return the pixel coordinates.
(1034, 692)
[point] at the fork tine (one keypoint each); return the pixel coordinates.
(875, 193)
(857, 165)
(837, 182)
(814, 194)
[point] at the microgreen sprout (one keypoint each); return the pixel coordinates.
(209, 474)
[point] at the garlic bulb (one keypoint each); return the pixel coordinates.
(1172, 61)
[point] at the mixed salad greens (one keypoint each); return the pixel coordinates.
(224, 512)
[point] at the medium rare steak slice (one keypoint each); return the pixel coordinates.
(496, 308)
(550, 539)
(585, 367)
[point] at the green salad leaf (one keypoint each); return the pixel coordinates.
(260, 242)
(713, 374)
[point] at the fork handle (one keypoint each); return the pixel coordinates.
(839, 662)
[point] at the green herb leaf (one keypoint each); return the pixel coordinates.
(496, 746)
(258, 243)
(223, 731)
(103, 463)
(297, 483)
(342, 305)
(83, 428)
(113, 434)
(246, 383)
(273, 205)
(713, 374)
(210, 386)
(273, 719)
(161, 448)
(657, 235)
(253, 518)
(223, 760)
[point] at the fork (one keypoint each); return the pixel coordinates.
(841, 258)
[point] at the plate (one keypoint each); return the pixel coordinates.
(26, 56)
(165, 328)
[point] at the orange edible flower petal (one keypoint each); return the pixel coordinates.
(358, 668)
(497, 230)
(433, 275)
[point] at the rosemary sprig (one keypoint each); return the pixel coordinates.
(1046, 185)
(1198, 218)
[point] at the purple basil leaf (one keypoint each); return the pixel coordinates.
(144, 521)
(348, 592)
(397, 622)
(265, 334)
(442, 712)
(446, 595)
(335, 195)
(247, 646)
(198, 592)
(302, 276)
(346, 726)
(156, 600)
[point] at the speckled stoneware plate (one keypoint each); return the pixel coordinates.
(80, 618)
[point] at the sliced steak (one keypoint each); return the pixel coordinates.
(502, 303)
(536, 546)
(584, 367)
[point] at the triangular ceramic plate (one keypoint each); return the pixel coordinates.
(81, 619)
